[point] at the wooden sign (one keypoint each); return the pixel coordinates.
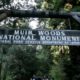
(39, 37)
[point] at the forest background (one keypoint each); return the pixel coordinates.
(21, 62)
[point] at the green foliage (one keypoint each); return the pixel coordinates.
(61, 56)
(58, 4)
(3, 61)
(57, 73)
(76, 9)
(23, 64)
(5, 2)
(45, 60)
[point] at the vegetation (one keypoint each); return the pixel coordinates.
(21, 62)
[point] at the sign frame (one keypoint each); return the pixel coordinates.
(39, 37)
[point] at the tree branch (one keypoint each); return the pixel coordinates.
(36, 13)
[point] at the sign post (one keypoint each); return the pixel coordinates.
(40, 37)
